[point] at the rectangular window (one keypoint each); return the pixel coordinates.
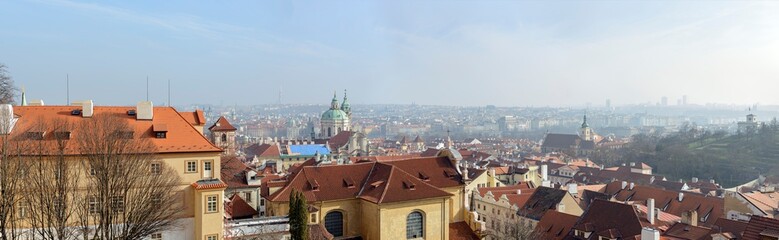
(23, 209)
(262, 202)
(247, 196)
(211, 204)
(211, 237)
(156, 236)
(160, 134)
(93, 205)
(117, 203)
(191, 166)
(156, 168)
(92, 172)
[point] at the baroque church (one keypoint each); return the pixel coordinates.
(337, 132)
(336, 119)
(582, 143)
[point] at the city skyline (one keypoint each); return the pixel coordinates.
(493, 53)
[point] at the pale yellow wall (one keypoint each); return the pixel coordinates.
(393, 219)
(571, 206)
(456, 203)
(351, 210)
(208, 223)
(370, 220)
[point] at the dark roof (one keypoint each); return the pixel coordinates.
(429, 152)
(542, 200)
(732, 226)
(610, 218)
(237, 208)
(340, 139)
(686, 231)
(588, 197)
(669, 185)
(707, 207)
(557, 140)
(379, 182)
(556, 225)
(461, 231)
(222, 125)
(263, 150)
(758, 225)
(233, 172)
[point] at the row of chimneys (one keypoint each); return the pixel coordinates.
(143, 111)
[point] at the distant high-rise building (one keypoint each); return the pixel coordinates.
(608, 103)
(664, 101)
(684, 100)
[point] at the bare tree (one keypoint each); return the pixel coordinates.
(130, 194)
(12, 164)
(7, 88)
(51, 182)
(516, 231)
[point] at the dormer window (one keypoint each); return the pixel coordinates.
(314, 185)
(348, 182)
(63, 135)
(34, 135)
(409, 185)
(160, 130)
(423, 176)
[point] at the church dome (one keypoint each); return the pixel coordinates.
(334, 114)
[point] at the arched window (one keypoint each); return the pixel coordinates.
(329, 132)
(334, 223)
(415, 225)
(224, 137)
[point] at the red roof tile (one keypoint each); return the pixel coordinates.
(222, 125)
(263, 150)
(181, 136)
(237, 208)
(555, 225)
(209, 184)
(461, 231)
(195, 118)
(758, 225)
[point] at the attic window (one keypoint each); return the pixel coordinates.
(409, 185)
(131, 112)
(450, 173)
(348, 182)
(423, 176)
(34, 135)
(160, 130)
(314, 185)
(62, 134)
(124, 134)
(75, 112)
(377, 184)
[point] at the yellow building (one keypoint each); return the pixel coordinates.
(179, 143)
(395, 199)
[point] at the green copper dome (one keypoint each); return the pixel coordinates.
(334, 114)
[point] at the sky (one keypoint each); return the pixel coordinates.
(472, 53)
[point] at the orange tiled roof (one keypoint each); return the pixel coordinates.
(209, 184)
(555, 225)
(237, 208)
(195, 118)
(222, 124)
(461, 231)
(181, 136)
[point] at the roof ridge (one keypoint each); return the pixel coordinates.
(192, 127)
(413, 176)
(387, 184)
(366, 180)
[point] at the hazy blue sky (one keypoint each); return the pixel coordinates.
(429, 52)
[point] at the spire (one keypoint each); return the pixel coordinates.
(584, 124)
(334, 103)
(24, 98)
(345, 105)
(449, 143)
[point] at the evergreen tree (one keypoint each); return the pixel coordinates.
(298, 216)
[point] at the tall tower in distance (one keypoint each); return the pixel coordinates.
(585, 133)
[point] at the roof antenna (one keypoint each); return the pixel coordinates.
(147, 88)
(67, 89)
(168, 92)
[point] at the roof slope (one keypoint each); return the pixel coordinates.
(372, 181)
(609, 218)
(758, 225)
(555, 225)
(542, 200)
(222, 125)
(181, 136)
(237, 208)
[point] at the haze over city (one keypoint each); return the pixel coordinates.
(471, 53)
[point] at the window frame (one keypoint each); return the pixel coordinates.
(187, 165)
(215, 203)
(157, 170)
(417, 218)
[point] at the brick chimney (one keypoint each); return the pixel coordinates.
(650, 210)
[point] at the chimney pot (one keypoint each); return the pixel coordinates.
(632, 185)
(87, 108)
(624, 184)
(681, 196)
